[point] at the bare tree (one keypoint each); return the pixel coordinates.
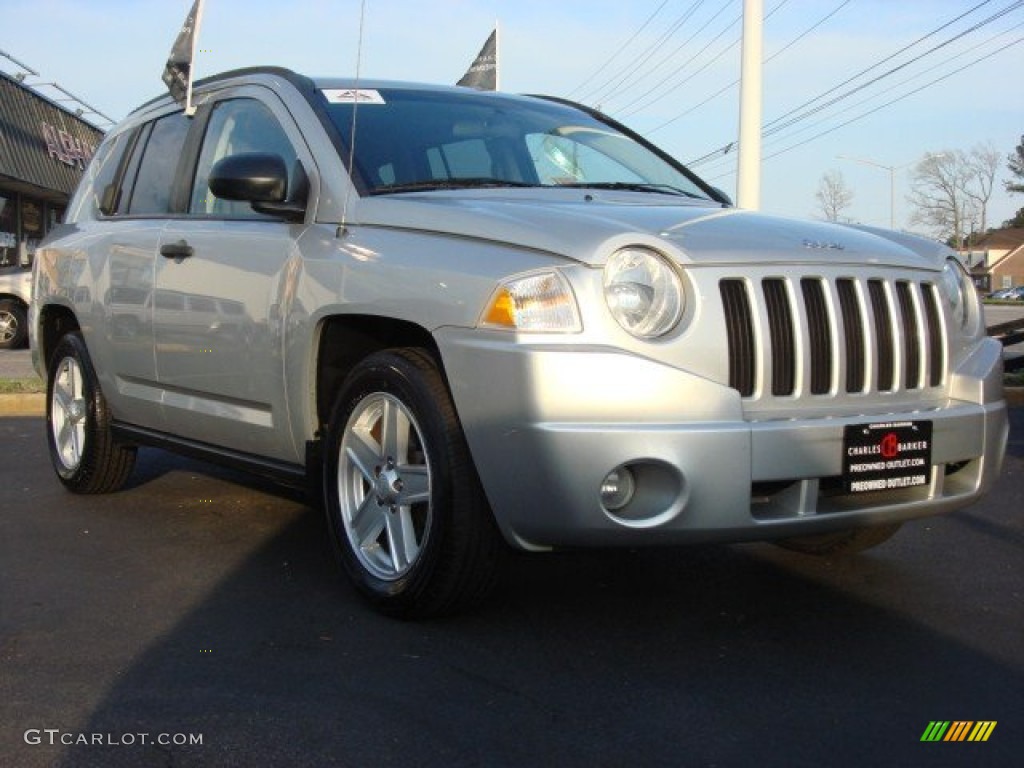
(939, 196)
(833, 195)
(984, 161)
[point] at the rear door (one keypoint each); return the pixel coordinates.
(134, 190)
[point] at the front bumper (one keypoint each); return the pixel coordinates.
(547, 423)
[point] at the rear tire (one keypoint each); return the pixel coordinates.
(13, 324)
(408, 518)
(83, 451)
(845, 542)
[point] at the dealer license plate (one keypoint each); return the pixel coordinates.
(886, 455)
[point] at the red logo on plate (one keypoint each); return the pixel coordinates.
(890, 446)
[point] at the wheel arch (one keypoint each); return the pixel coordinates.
(4, 296)
(344, 340)
(54, 322)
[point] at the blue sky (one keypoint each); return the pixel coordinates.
(111, 52)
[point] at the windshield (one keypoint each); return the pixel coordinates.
(408, 140)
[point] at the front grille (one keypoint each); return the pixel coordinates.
(816, 336)
(819, 329)
(740, 327)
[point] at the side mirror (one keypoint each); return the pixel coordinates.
(252, 177)
(261, 180)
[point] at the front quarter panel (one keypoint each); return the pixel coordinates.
(428, 280)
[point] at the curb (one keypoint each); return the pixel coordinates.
(35, 404)
(23, 405)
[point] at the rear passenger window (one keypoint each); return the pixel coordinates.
(103, 169)
(152, 190)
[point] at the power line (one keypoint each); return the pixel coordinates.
(676, 86)
(886, 104)
(610, 85)
(795, 115)
(608, 62)
(879, 63)
(686, 63)
(897, 99)
(776, 125)
(910, 79)
(736, 82)
(613, 86)
(808, 31)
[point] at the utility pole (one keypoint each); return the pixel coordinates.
(748, 182)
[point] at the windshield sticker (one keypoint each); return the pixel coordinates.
(352, 96)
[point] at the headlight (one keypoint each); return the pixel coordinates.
(955, 286)
(643, 292)
(536, 303)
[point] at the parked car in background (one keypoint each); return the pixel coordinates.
(1008, 294)
(472, 319)
(15, 294)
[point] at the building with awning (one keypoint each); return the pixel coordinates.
(44, 149)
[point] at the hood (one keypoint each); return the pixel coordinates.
(588, 225)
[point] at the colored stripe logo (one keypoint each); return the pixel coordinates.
(958, 730)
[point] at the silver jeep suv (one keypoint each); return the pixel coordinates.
(470, 320)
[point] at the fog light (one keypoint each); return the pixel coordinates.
(617, 489)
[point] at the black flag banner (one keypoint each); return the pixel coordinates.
(483, 73)
(178, 72)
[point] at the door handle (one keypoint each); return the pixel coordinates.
(178, 250)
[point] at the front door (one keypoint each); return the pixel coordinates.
(221, 277)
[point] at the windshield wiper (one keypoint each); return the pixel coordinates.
(473, 182)
(631, 186)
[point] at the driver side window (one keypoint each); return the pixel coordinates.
(236, 126)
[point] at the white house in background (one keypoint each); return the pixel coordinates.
(997, 260)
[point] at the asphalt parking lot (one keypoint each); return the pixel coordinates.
(202, 603)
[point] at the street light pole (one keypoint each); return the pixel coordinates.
(892, 182)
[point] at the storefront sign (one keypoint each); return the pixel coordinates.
(66, 148)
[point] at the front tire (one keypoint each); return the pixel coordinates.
(83, 451)
(407, 515)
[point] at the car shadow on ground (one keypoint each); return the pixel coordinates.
(697, 657)
(706, 655)
(604, 658)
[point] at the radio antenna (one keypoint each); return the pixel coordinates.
(352, 134)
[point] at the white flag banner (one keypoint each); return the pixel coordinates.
(483, 72)
(178, 72)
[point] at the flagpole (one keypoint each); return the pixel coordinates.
(190, 109)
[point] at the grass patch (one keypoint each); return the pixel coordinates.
(1015, 379)
(22, 386)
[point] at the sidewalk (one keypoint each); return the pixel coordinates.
(17, 364)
